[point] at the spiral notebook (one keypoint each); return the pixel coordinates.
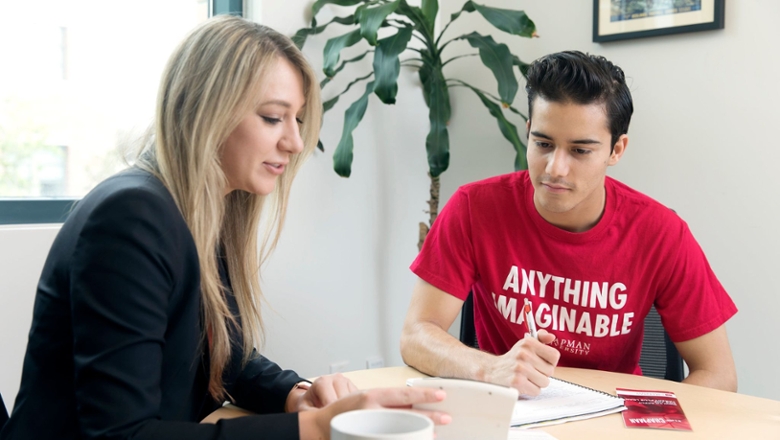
(562, 402)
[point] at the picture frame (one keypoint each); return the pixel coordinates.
(626, 19)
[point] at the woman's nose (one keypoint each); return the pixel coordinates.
(292, 141)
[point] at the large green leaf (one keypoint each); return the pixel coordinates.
(498, 59)
(342, 157)
(508, 20)
(523, 67)
(508, 129)
(429, 10)
(315, 8)
(333, 47)
(300, 37)
(327, 105)
(437, 143)
(387, 66)
(467, 7)
(425, 72)
(493, 97)
(343, 64)
(371, 19)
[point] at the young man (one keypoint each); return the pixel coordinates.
(590, 254)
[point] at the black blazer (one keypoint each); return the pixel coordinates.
(114, 351)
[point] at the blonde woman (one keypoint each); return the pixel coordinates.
(147, 310)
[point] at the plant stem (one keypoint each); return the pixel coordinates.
(441, 34)
(433, 203)
(441, 49)
(423, 40)
(433, 206)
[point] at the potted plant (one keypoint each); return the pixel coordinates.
(428, 58)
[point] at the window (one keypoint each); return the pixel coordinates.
(77, 92)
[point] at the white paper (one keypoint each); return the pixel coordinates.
(563, 400)
(528, 434)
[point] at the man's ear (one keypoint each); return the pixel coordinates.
(618, 150)
(528, 128)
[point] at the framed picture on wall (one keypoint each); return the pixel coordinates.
(625, 19)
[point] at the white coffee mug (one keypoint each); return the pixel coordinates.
(381, 424)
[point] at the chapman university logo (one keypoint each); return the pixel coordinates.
(572, 346)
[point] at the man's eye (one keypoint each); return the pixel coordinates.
(270, 120)
(581, 151)
(543, 144)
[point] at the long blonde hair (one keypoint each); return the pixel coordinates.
(209, 84)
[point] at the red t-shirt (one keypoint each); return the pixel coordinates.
(591, 289)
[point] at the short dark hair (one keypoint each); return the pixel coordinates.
(573, 76)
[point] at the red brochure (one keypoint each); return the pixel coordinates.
(653, 409)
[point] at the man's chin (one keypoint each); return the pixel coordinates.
(555, 207)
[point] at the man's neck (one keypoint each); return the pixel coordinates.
(582, 217)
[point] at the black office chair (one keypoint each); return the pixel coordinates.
(3, 413)
(468, 334)
(659, 358)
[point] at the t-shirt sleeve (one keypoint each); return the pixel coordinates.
(693, 302)
(446, 260)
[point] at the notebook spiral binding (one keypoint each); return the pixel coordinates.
(587, 388)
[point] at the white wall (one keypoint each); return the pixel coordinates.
(339, 282)
(23, 251)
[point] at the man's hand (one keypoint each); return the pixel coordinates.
(324, 391)
(527, 366)
(426, 346)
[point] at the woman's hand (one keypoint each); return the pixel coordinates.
(324, 391)
(316, 424)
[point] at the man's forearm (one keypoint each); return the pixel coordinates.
(710, 360)
(712, 379)
(433, 351)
